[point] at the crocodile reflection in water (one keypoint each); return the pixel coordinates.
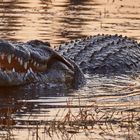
(35, 61)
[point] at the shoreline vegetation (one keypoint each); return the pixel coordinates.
(74, 120)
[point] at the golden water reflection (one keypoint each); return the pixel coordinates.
(57, 21)
(61, 20)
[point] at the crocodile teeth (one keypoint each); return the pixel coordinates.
(37, 65)
(13, 70)
(4, 72)
(18, 60)
(30, 69)
(9, 58)
(2, 56)
(21, 62)
(25, 65)
(34, 63)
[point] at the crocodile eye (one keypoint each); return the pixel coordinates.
(39, 43)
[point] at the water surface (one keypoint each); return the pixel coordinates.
(25, 111)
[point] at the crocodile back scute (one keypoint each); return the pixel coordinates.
(103, 54)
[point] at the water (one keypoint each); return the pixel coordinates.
(28, 113)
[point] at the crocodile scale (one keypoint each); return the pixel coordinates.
(35, 62)
(103, 54)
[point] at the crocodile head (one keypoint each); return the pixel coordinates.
(34, 61)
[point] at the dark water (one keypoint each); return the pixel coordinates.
(24, 110)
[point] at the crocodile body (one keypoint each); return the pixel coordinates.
(35, 62)
(103, 54)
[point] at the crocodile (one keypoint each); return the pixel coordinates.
(35, 62)
(103, 54)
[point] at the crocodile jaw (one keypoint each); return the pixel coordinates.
(24, 63)
(20, 64)
(14, 71)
